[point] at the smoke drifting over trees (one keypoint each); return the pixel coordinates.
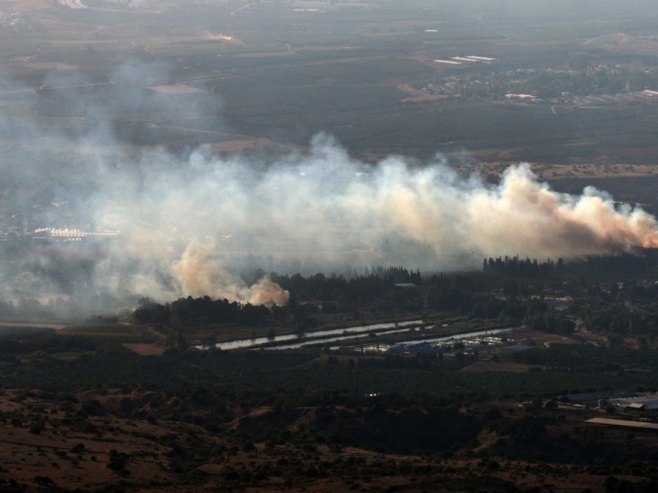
(186, 224)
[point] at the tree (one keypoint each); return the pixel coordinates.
(176, 342)
(117, 461)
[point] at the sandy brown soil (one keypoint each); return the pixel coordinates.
(144, 349)
(50, 440)
(565, 171)
(41, 438)
(416, 95)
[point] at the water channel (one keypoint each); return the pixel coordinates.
(316, 337)
(282, 342)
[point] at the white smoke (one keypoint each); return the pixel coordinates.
(326, 206)
(201, 274)
(189, 223)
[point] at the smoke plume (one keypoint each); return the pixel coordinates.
(323, 210)
(199, 273)
(162, 224)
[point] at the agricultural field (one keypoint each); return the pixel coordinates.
(274, 86)
(271, 421)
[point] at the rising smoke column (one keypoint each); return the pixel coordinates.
(524, 215)
(201, 274)
(188, 225)
(190, 222)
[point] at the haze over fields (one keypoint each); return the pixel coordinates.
(161, 148)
